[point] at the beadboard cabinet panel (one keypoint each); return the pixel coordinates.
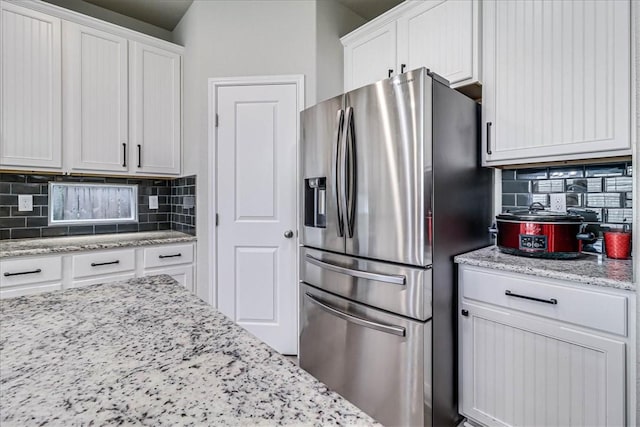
(439, 35)
(371, 57)
(557, 81)
(96, 98)
(30, 67)
(155, 100)
(518, 371)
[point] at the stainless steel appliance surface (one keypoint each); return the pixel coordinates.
(391, 190)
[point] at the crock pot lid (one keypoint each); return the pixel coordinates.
(539, 215)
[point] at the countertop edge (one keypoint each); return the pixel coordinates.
(70, 247)
(603, 282)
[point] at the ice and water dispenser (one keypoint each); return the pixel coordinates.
(315, 202)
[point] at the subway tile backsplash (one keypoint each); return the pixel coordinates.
(605, 189)
(170, 215)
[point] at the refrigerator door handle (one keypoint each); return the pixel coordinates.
(387, 278)
(350, 133)
(338, 180)
(389, 329)
(343, 169)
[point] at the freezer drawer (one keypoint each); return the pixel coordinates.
(400, 289)
(378, 361)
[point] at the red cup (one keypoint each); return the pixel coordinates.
(617, 244)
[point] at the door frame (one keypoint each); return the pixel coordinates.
(212, 238)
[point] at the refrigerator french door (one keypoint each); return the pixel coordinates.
(391, 191)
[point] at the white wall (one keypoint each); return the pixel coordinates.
(333, 21)
(236, 38)
(113, 17)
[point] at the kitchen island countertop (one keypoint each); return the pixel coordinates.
(586, 269)
(58, 245)
(148, 352)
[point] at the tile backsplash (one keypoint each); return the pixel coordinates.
(172, 213)
(606, 189)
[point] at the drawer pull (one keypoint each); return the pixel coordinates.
(23, 272)
(97, 264)
(169, 256)
(546, 301)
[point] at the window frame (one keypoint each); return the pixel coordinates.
(131, 220)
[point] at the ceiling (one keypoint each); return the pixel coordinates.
(369, 9)
(167, 13)
(161, 13)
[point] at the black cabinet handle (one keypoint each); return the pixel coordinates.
(390, 72)
(489, 124)
(169, 256)
(124, 155)
(23, 272)
(139, 155)
(546, 301)
(97, 264)
(402, 67)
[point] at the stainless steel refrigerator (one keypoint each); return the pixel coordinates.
(391, 190)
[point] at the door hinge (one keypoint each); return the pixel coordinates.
(465, 313)
(216, 220)
(217, 119)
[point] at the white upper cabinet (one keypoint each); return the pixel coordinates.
(441, 35)
(30, 68)
(371, 57)
(155, 103)
(557, 81)
(96, 98)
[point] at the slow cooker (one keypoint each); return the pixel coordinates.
(535, 232)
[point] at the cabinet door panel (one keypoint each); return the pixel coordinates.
(520, 371)
(156, 110)
(556, 80)
(30, 113)
(96, 98)
(439, 35)
(370, 58)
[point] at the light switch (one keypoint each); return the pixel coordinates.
(153, 202)
(25, 202)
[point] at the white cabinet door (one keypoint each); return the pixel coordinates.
(516, 370)
(95, 98)
(370, 58)
(30, 113)
(556, 80)
(442, 36)
(155, 103)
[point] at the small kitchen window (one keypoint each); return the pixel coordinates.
(88, 203)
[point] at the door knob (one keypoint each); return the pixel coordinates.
(288, 234)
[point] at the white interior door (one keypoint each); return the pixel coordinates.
(256, 202)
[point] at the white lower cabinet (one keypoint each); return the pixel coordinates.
(520, 367)
(32, 275)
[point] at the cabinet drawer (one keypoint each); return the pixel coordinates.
(597, 310)
(100, 263)
(159, 256)
(30, 270)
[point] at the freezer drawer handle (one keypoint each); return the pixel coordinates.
(7, 274)
(546, 301)
(388, 278)
(389, 329)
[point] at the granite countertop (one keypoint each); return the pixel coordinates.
(148, 352)
(586, 269)
(56, 245)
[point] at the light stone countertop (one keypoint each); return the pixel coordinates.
(58, 245)
(148, 352)
(586, 269)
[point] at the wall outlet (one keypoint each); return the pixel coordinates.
(188, 202)
(558, 202)
(25, 202)
(153, 202)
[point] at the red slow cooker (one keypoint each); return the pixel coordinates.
(535, 232)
